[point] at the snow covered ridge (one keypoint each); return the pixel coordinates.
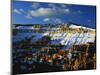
(75, 27)
(59, 34)
(72, 26)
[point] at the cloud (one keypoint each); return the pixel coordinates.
(57, 20)
(51, 5)
(57, 6)
(41, 12)
(23, 13)
(21, 10)
(53, 20)
(52, 11)
(28, 16)
(48, 12)
(63, 5)
(77, 12)
(17, 11)
(35, 5)
(46, 19)
(66, 10)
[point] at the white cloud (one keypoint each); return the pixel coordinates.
(63, 5)
(48, 12)
(21, 10)
(28, 16)
(35, 5)
(57, 20)
(57, 6)
(53, 20)
(67, 10)
(17, 11)
(77, 12)
(23, 13)
(46, 19)
(51, 5)
(41, 12)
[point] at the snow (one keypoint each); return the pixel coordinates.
(67, 39)
(24, 27)
(74, 26)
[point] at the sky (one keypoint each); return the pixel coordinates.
(44, 13)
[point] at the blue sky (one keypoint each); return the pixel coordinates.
(44, 13)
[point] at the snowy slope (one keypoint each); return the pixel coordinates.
(68, 38)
